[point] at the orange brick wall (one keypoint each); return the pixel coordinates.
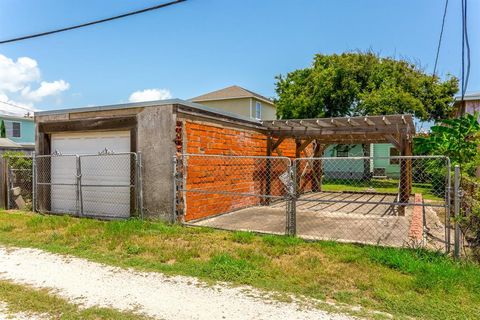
(216, 175)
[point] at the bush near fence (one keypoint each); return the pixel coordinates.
(470, 217)
(19, 180)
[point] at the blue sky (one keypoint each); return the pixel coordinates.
(203, 45)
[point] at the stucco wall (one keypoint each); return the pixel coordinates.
(155, 141)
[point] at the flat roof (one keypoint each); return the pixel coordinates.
(13, 117)
(155, 103)
(468, 96)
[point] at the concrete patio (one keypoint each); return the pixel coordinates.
(341, 218)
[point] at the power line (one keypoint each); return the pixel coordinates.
(465, 49)
(440, 38)
(16, 106)
(41, 34)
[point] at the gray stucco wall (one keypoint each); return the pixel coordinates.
(155, 140)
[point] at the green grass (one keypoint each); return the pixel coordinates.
(405, 283)
(379, 185)
(23, 299)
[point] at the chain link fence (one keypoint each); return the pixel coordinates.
(234, 192)
(342, 199)
(105, 185)
(19, 181)
(350, 199)
(468, 218)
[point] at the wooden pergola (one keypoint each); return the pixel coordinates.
(395, 129)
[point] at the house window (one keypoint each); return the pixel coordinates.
(13, 129)
(342, 150)
(394, 153)
(258, 110)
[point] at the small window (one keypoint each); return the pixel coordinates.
(342, 151)
(258, 110)
(13, 129)
(394, 153)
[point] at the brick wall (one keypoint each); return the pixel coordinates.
(214, 176)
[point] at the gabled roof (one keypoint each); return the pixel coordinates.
(232, 92)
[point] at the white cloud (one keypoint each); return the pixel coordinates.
(17, 78)
(46, 89)
(150, 95)
(15, 75)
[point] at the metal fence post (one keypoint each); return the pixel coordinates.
(79, 187)
(140, 184)
(34, 187)
(8, 177)
(174, 208)
(291, 201)
(456, 204)
(448, 207)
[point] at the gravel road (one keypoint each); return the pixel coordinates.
(153, 294)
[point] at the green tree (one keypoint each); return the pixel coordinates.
(363, 83)
(456, 138)
(3, 131)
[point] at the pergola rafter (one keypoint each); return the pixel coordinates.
(395, 129)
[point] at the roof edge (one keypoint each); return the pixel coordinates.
(155, 103)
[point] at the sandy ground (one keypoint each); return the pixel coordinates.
(153, 294)
(5, 314)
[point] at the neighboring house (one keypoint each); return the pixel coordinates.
(21, 131)
(470, 104)
(381, 166)
(241, 101)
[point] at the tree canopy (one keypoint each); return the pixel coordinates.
(458, 139)
(363, 83)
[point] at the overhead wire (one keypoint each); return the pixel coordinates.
(440, 37)
(124, 15)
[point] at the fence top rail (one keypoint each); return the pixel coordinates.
(230, 156)
(371, 158)
(108, 154)
(84, 154)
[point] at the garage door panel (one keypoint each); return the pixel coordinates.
(97, 170)
(107, 169)
(64, 199)
(106, 201)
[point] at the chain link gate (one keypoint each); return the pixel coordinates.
(248, 193)
(106, 185)
(348, 199)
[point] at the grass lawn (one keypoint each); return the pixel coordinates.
(402, 282)
(29, 301)
(380, 185)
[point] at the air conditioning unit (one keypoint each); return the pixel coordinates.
(379, 173)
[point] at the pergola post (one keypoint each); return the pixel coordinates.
(317, 170)
(298, 144)
(405, 174)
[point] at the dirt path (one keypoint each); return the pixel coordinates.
(153, 294)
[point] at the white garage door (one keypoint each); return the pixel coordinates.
(105, 179)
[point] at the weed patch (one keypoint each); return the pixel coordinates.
(403, 282)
